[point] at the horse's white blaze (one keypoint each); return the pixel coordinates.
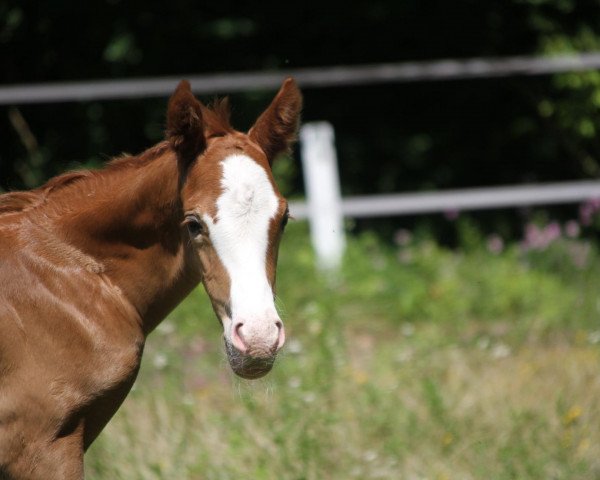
(239, 234)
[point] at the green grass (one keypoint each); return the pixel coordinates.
(412, 363)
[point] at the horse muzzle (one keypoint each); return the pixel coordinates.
(252, 349)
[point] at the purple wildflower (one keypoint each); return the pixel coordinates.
(572, 229)
(402, 237)
(540, 238)
(588, 210)
(552, 232)
(495, 244)
(451, 214)
(533, 237)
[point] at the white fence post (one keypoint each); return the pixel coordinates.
(322, 186)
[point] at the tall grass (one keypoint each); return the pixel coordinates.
(414, 362)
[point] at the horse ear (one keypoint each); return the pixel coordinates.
(185, 129)
(276, 129)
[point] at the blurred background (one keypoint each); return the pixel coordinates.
(447, 345)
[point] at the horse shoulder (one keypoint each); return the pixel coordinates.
(63, 321)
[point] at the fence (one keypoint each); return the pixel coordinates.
(232, 82)
(325, 208)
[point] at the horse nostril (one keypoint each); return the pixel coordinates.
(237, 338)
(257, 342)
(280, 335)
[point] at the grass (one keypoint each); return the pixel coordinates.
(414, 362)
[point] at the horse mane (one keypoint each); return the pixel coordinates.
(216, 121)
(13, 202)
(20, 201)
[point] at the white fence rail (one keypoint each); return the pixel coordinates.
(366, 206)
(232, 82)
(325, 209)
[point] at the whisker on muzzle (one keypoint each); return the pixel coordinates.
(247, 366)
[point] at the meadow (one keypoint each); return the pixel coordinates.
(415, 361)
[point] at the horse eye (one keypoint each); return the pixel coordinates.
(194, 226)
(284, 220)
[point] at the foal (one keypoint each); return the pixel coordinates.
(92, 261)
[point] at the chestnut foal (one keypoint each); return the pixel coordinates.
(92, 261)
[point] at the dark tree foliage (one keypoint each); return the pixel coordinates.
(396, 137)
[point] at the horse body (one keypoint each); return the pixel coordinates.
(93, 261)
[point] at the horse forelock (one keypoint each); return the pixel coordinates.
(216, 118)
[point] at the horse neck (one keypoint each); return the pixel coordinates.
(127, 218)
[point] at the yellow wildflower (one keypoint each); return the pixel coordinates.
(572, 415)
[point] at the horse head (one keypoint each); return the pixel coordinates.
(235, 215)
